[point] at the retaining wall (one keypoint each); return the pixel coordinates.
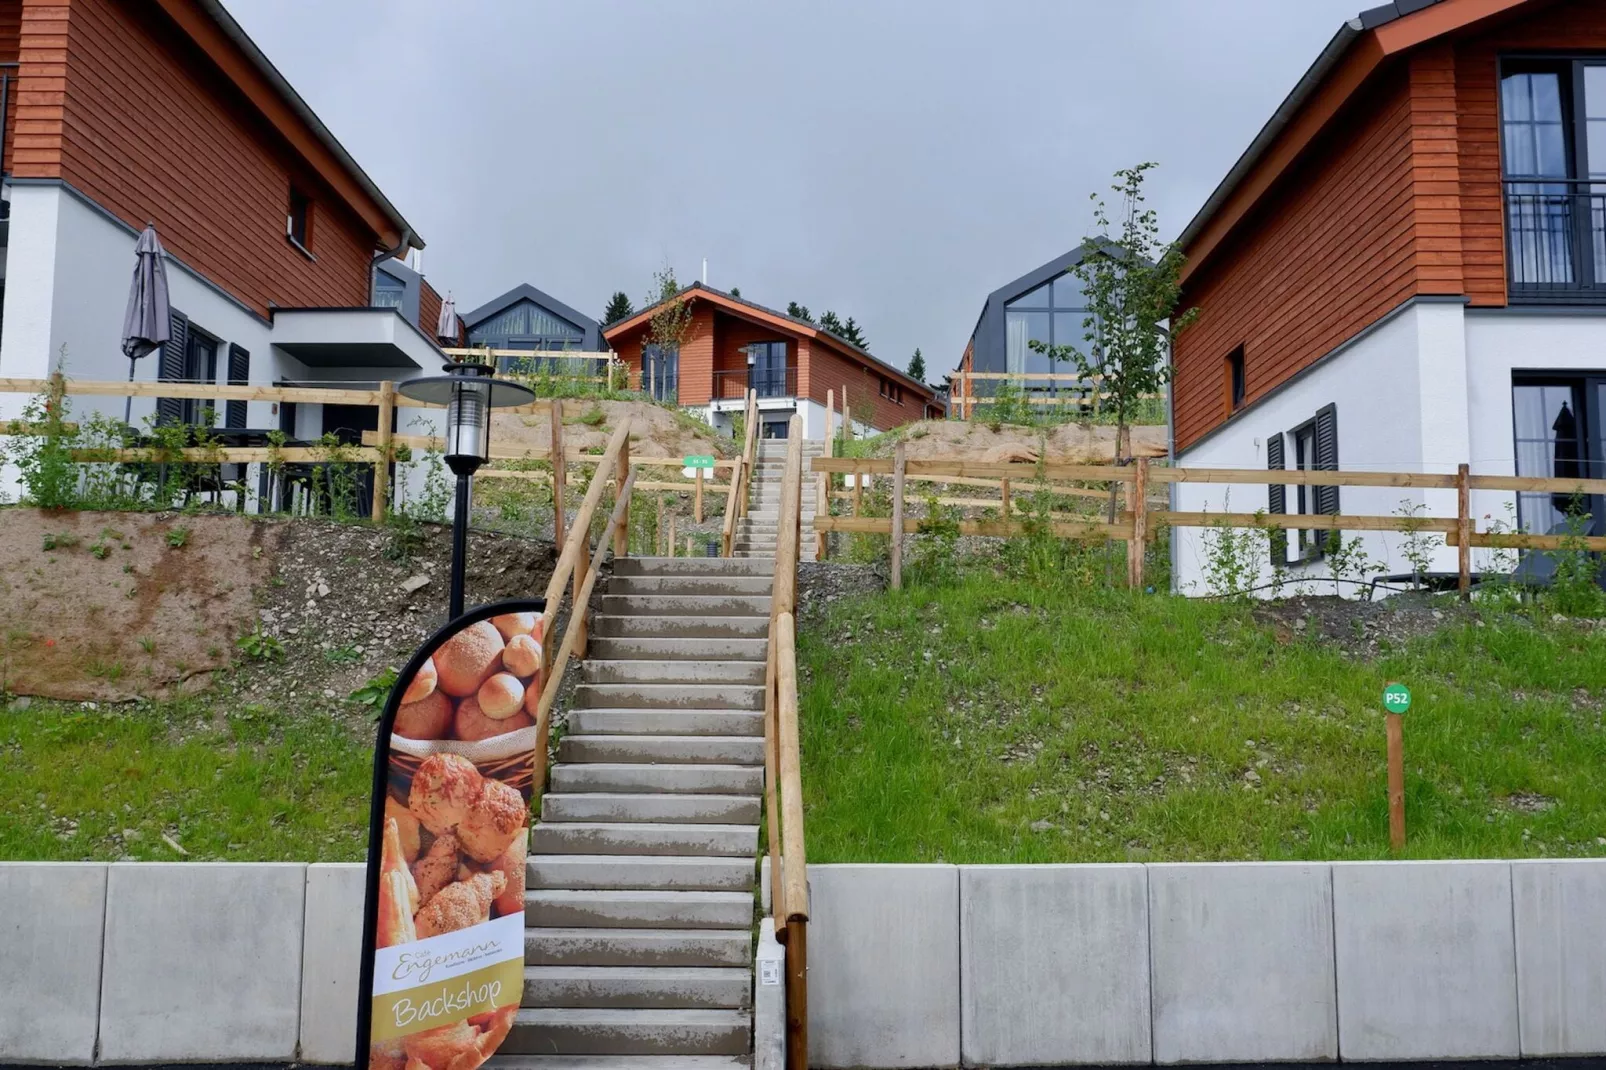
(909, 966)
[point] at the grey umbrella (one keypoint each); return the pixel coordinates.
(146, 322)
(446, 326)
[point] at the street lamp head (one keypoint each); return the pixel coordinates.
(469, 393)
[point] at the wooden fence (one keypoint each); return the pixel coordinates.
(1138, 522)
(1078, 391)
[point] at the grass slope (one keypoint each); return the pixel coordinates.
(988, 719)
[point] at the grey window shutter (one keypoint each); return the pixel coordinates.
(173, 365)
(239, 375)
(1277, 497)
(1326, 436)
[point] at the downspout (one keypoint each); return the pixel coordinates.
(383, 255)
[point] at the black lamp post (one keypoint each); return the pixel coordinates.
(469, 393)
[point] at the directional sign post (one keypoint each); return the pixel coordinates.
(1396, 701)
(698, 466)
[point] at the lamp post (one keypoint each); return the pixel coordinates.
(469, 393)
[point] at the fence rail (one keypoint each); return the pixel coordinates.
(1065, 389)
(1137, 524)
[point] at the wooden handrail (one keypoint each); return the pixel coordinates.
(735, 501)
(580, 531)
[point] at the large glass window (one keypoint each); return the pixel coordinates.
(660, 372)
(766, 369)
(1052, 314)
(1553, 154)
(389, 291)
(529, 323)
(1558, 429)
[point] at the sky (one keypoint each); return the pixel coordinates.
(891, 160)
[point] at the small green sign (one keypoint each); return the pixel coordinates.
(699, 462)
(1396, 698)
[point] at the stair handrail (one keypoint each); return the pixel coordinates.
(783, 774)
(736, 497)
(578, 542)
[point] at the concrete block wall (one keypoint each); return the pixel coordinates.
(1206, 963)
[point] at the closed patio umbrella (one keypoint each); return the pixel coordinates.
(446, 326)
(1564, 461)
(146, 322)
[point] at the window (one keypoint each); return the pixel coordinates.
(526, 325)
(660, 372)
(239, 375)
(766, 369)
(892, 391)
(298, 225)
(1053, 314)
(1553, 158)
(1559, 433)
(1314, 444)
(1235, 380)
(389, 291)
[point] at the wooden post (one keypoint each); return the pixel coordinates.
(822, 509)
(688, 547)
(898, 463)
(1139, 543)
(858, 491)
(697, 500)
(847, 416)
(671, 540)
(830, 414)
(797, 993)
(387, 417)
(621, 534)
(1463, 527)
(559, 475)
(1396, 740)
(658, 526)
(1003, 486)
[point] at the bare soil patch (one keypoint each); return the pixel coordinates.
(1361, 629)
(654, 430)
(976, 440)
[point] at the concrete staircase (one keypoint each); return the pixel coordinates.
(755, 533)
(639, 909)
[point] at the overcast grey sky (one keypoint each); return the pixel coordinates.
(893, 160)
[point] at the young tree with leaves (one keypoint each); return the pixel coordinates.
(619, 308)
(1132, 281)
(917, 367)
(671, 324)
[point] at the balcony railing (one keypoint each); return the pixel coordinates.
(766, 383)
(1556, 241)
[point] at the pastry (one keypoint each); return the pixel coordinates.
(493, 821)
(392, 860)
(437, 1047)
(444, 787)
(471, 723)
(460, 905)
(522, 657)
(428, 718)
(510, 863)
(511, 624)
(395, 923)
(467, 659)
(500, 696)
(422, 685)
(407, 829)
(437, 868)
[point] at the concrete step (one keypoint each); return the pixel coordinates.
(707, 873)
(669, 696)
(663, 750)
(687, 566)
(618, 1062)
(679, 649)
(598, 671)
(684, 626)
(637, 947)
(634, 778)
(607, 1031)
(637, 986)
(658, 605)
(705, 585)
(591, 908)
(606, 807)
(644, 838)
(592, 722)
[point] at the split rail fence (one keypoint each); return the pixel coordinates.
(1139, 522)
(1063, 389)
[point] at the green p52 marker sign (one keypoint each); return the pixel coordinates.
(1396, 698)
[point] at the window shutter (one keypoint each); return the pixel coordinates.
(172, 365)
(1277, 497)
(239, 375)
(1326, 436)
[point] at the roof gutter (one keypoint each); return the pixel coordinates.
(1314, 77)
(242, 40)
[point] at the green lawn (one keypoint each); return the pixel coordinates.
(991, 718)
(109, 783)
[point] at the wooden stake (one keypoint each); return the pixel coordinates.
(822, 507)
(688, 546)
(797, 992)
(1396, 738)
(1003, 486)
(847, 416)
(387, 417)
(898, 463)
(559, 476)
(658, 526)
(621, 534)
(1139, 543)
(830, 414)
(697, 500)
(858, 492)
(1463, 528)
(671, 539)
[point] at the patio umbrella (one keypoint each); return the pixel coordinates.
(1564, 464)
(446, 326)
(146, 322)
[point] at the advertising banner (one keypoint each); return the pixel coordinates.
(443, 943)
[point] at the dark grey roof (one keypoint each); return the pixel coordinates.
(989, 325)
(806, 324)
(234, 32)
(524, 291)
(1336, 49)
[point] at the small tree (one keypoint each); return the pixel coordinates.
(917, 367)
(671, 324)
(830, 323)
(851, 332)
(736, 291)
(619, 308)
(1133, 285)
(799, 312)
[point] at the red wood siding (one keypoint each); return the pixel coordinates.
(1331, 251)
(831, 370)
(119, 103)
(1400, 197)
(10, 51)
(429, 308)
